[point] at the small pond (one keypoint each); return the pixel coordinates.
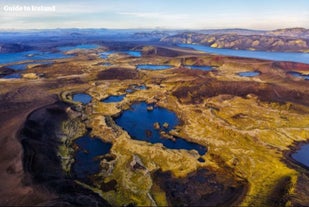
(197, 67)
(87, 162)
(299, 75)
(134, 88)
(113, 99)
(153, 67)
(302, 155)
(249, 74)
(82, 97)
(139, 122)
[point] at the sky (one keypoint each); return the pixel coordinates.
(154, 14)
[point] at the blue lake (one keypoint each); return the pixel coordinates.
(79, 47)
(197, 67)
(12, 76)
(276, 56)
(249, 74)
(302, 155)
(113, 99)
(153, 67)
(139, 123)
(132, 53)
(30, 55)
(86, 158)
(299, 75)
(82, 97)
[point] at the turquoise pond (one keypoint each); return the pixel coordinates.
(132, 53)
(86, 158)
(78, 47)
(302, 155)
(82, 97)
(139, 123)
(113, 99)
(299, 75)
(153, 67)
(276, 56)
(249, 74)
(197, 67)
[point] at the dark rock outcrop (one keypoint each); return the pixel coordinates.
(202, 188)
(42, 165)
(5, 71)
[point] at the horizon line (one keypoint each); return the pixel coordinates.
(166, 29)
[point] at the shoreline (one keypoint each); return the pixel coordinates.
(293, 149)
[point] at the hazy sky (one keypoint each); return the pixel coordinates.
(164, 14)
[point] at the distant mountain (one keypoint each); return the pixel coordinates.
(290, 39)
(153, 35)
(290, 32)
(294, 40)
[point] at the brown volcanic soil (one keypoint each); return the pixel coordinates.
(118, 74)
(14, 109)
(197, 91)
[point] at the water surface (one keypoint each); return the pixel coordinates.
(113, 99)
(19, 66)
(82, 97)
(249, 74)
(132, 53)
(299, 75)
(86, 157)
(197, 67)
(139, 123)
(276, 56)
(12, 76)
(24, 66)
(153, 67)
(30, 55)
(302, 155)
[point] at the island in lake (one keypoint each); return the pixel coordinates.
(96, 117)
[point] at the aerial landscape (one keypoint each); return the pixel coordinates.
(154, 103)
